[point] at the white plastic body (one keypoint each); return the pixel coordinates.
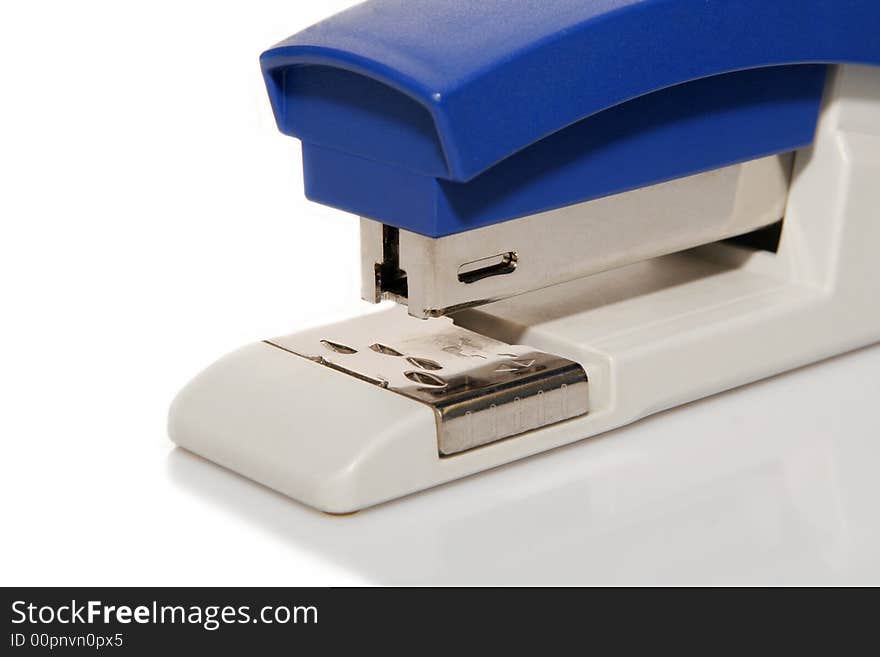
(651, 336)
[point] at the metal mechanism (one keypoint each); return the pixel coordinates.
(481, 390)
(437, 276)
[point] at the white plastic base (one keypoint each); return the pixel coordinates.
(651, 336)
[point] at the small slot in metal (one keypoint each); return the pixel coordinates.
(424, 363)
(390, 278)
(338, 348)
(426, 379)
(384, 349)
(497, 265)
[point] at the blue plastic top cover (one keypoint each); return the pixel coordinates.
(440, 116)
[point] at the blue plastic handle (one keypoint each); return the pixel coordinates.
(440, 116)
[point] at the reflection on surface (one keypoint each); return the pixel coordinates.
(774, 483)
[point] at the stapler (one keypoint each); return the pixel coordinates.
(586, 212)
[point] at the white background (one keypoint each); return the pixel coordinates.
(153, 220)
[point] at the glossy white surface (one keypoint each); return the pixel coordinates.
(141, 241)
